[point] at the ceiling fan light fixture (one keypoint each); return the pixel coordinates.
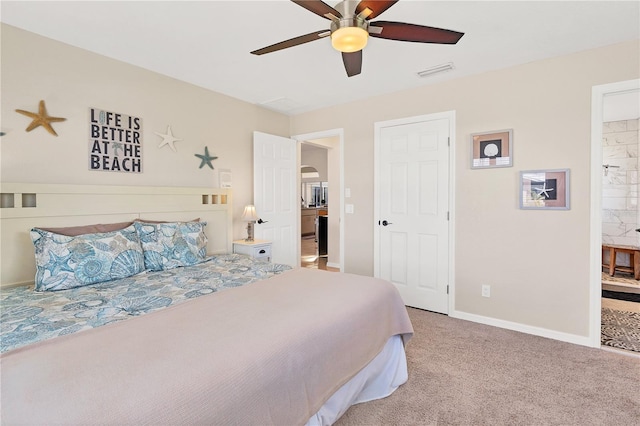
(349, 39)
(351, 27)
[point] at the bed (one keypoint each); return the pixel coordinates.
(225, 340)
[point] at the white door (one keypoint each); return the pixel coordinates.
(274, 195)
(413, 208)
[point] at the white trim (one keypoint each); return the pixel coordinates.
(378, 126)
(452, 208)
(321, 135)
(595, 241)
(515, 326)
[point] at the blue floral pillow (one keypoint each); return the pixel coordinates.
(64, 262)
(172, 244)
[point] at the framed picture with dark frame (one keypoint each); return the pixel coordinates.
(492, 149)
(544, 189)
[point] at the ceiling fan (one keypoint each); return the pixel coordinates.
(351, 28)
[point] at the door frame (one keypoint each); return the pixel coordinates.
(378, 126)
(332, 133)
(595, 247)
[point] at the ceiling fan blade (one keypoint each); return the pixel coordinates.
(352, 62)
(376, 6)
(318, 7)
(416, 33)
(292, 42)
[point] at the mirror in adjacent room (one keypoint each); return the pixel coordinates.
(315, 194)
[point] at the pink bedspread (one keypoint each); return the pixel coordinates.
(267, 353)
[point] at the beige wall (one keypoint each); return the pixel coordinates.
(317, 158)
(535, 261)
(71, 80)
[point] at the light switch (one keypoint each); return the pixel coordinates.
(347, 193)
(348, 208)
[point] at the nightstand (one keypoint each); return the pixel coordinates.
(258, 249)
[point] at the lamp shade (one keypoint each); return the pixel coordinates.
(249, 214)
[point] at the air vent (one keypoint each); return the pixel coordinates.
(436, 69)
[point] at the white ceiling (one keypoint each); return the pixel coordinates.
(207, 43)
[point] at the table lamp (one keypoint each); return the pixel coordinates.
(250, 216)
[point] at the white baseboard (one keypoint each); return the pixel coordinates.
(536, 331)
(333, 265)
(20, 284)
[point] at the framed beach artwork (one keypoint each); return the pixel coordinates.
(544, 189)
(492, 149)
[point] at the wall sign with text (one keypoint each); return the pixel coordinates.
(115, 142)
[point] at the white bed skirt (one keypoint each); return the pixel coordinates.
(379, 379)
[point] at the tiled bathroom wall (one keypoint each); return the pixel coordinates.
(620, 143)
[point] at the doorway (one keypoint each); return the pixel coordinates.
(620, 214)
(603, 172)
(321, 203)
(314, 204)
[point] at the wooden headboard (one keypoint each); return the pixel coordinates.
(27, 205)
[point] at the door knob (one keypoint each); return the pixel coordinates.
(385, 223)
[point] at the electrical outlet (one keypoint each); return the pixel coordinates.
(486, 291)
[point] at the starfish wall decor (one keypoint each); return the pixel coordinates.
(206, 158)
(41, 118)
(168, 139)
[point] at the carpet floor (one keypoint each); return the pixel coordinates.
(465, 373)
